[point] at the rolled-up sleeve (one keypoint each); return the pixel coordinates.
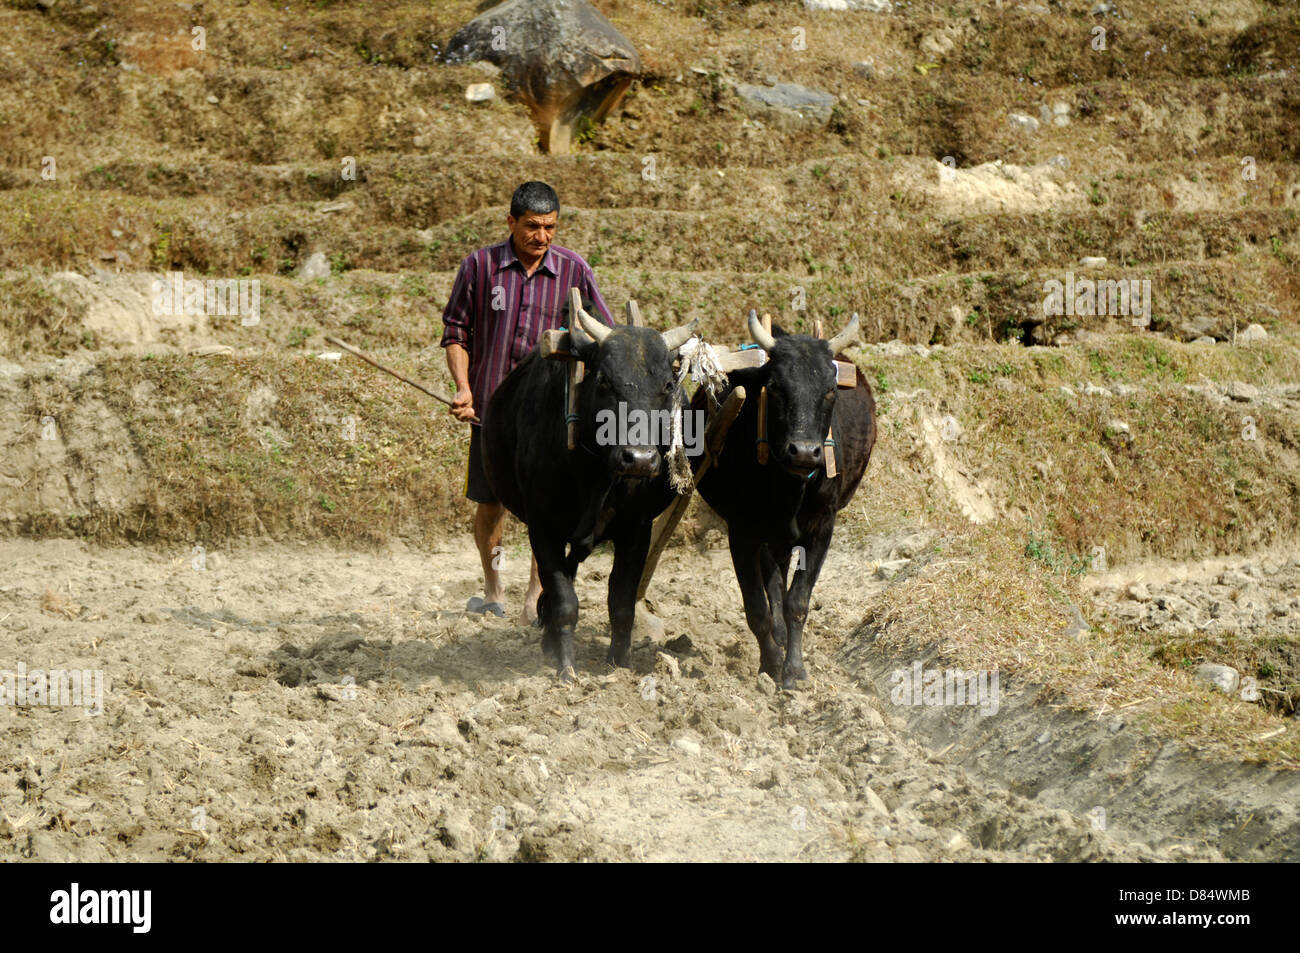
(589, 290)
(458, 316)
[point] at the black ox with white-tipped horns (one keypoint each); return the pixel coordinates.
(603, 489)
(783, 510)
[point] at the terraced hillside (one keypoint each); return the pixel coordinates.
(1092, 504)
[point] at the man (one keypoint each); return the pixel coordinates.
(504, 297)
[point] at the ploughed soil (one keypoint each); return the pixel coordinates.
(290, 702)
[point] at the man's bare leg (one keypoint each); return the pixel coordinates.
(529, 613)
(488, 521)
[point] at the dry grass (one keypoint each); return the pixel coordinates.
(983, 605)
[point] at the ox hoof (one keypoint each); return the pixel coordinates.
(792, 677)
(621, 659)
(567, 675)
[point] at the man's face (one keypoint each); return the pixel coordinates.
(533, 232)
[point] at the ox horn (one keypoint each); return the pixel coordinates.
(676, 337)
(761, 337)
(846, 336)
(590, 326)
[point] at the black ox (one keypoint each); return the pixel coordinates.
(789, 502)
(579, 498)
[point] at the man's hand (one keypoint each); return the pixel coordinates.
(462, 407)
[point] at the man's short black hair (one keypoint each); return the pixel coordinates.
(536, 197)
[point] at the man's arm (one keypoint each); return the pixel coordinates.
(457, 339)
(589, 290)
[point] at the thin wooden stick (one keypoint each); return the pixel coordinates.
(387, 370)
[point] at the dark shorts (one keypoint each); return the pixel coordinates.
(476, 484)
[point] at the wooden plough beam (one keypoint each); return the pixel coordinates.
(715, 437)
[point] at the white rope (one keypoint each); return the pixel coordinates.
(700, 361)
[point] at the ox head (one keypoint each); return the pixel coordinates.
(625, 405)
(801, 388)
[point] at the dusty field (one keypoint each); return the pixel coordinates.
(231, 730)
(317, 692)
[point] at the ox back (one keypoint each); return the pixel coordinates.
(571, 500)
(770, 509)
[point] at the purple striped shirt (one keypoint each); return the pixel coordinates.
(497, 312)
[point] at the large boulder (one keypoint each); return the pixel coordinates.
(562, 58)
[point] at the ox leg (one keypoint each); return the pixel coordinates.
(745, 557)
(774, 585)
(796, 605)
(630, 553)
(560, 604)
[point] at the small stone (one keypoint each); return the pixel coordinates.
(865, 68)
(890, 568)
(1223, 677)
(213, 100)
(765, 684)
(687, 746)
(870, 6)
(485, 711)
(1238, 390)
(316, 266)
(1253, 332)
(1060, 161)
(875, 802)
(1093, 261)
(479, 92)
(1021, 121)
(1138, 592)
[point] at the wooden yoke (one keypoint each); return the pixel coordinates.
(828, 447)
(762, 407)
(576, 372)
